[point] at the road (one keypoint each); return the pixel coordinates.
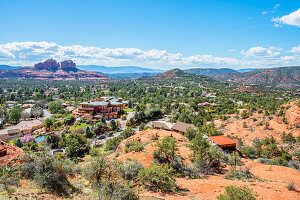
(102, 141)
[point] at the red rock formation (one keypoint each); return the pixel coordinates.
(68, 65)
(9, 153)
(50, 64)
(51, 69)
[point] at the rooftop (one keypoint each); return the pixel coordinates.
(222, 140)
(181, 126)
(23, 125)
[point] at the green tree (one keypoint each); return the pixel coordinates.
(55, 107)
(113, 124)
(15, 115)
(48, 123)
(18, 143)
(235, 159)
(3, 114)
(87, 132)
(166, 150)
(69, 119)
(76, 145)
(204, 155)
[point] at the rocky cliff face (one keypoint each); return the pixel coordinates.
(53, 65)
(50, 64)
(68, 65)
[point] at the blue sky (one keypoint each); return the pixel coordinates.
(157, 33)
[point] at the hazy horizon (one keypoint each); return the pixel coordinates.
(152, 34)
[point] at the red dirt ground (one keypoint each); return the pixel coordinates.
(9, 153)
(274, 185)
(235, 127)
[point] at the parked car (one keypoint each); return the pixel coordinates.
(101, 137)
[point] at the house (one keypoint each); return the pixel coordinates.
(27, 105)
(223, 142)
(161, 125)
(24, 127)
(108, 107)
(70, 108)
(182, 127)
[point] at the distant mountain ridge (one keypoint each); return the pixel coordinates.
(51, 69)
(119, 70)
(278, 77)
(7, 67)
(132, 75)
(210, 71)
(180, 78)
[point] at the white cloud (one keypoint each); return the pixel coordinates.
(231, 50)
(29, 53)
(261, 52)
(290, 19)
(273, 10)
(276, 6)
(295, 49)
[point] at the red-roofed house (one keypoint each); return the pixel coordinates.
(224, 142)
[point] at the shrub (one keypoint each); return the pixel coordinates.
(97, 151)
(158, 178)
(294, 164)
(238, 193)
(291, 186)
(270, 151)
(18, 143)
(287, 138)
(183, 170)
(135, 146)
(27, 138)
(142, 126)
(297, 154)
(264, 160)
(115, 190)
(46, 172)
(279, 161)
(245, 114)
(239, 174)
(8, 177)
(128, 132)
(130, 169)
(249, 151)
(235, 159)
(112, 144)
(97, 168)
(68, 119)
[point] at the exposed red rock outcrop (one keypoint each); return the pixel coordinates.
(9, 153)
(68, 65)
(49, 64)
